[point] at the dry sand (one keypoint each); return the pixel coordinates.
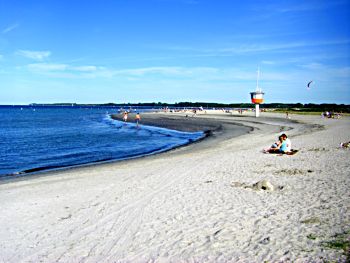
(192, 204)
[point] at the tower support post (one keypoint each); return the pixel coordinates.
(257, 110)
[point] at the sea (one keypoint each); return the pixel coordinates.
(42, 138)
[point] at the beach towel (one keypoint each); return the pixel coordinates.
(291, 152)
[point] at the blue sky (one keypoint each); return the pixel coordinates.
(173, 50)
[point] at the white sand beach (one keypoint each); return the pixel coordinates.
(191, 204)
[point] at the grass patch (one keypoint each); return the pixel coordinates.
(311, 236)
(339, 242)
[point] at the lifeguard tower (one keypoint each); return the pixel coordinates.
(257, 96)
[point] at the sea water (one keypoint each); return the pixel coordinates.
(36, 139)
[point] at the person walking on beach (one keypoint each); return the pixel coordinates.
(137, 119)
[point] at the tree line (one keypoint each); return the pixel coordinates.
(308, 107)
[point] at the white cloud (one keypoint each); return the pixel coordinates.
(85, 68)
(199, 74)
(10, 28)
(248, 48)
(63, 67)
(313, 66)
(47, 67)
(310, 6)
(169, 71)
(36, 55)
(189, 74)
(151, 70)
(268, 62)
(282, 46)
(95, 71)
(325, 70)
(69, 72)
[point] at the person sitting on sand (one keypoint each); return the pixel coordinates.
(287, 142)
(275, 146)
(278, 143)
(285, 145)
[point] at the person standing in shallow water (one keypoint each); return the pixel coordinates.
(125, 117)
(137, 118)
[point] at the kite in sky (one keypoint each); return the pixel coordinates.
(309, 84)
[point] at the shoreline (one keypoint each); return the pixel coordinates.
(191, 204)
(209, 127)
(216, 130)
